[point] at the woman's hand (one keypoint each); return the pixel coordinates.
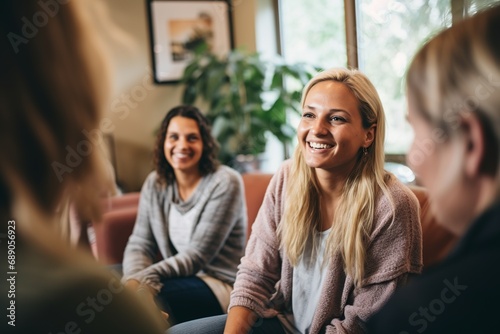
(132, 284)
(147, 294)
(240, 320)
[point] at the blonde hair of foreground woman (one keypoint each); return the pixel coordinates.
(453, 89)
(53, 88)
(354, 216)
(454, 76)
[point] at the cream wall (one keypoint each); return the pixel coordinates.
(138, 106)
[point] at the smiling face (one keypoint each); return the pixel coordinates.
(183, 145)
(330, 131)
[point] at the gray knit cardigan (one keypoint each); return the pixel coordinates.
(217, 240)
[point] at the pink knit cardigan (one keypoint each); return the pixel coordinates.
(264, 279)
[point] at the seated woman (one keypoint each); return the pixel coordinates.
(192, 212)
(336, 234)
(453, 88)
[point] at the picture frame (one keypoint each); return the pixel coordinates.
(176, 27)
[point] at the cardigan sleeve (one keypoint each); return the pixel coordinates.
(394, 253)
(260, 268)
(223, 208)
(362, 304)
(141, 248)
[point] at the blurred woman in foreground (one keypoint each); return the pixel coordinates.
(53, 88)
(454, 103)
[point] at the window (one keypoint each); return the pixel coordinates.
(472, 6)
(310, 36)
(389, 32)
(313, 32)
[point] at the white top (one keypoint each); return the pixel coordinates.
(218, 236)
(180, 228)
(308, 278)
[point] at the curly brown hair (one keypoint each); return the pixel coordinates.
(208, 161)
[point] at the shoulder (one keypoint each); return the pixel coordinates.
(396, 238)
(469, 280)
(151, 180)
(226, 176)
(224, 180)
(280, 178)
(397, 210)
(399, 196)
(226, 172)
(285, 167)
(151, 186)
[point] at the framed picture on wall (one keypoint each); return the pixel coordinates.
(176, 28)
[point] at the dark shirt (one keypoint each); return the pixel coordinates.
(459, 295)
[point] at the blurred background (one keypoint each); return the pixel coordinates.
(378, 36)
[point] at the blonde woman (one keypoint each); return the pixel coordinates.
(52, 90)
(336, 234)
(453, 88)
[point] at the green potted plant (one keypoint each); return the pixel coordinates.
(246, 98)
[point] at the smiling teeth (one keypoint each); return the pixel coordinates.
(319, 145)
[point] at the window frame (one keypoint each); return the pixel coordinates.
(351, 10)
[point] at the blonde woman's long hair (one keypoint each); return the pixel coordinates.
(456, 73)
(355, 213)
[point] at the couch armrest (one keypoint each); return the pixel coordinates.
(255, 186)
(115, 227)
(112, 234)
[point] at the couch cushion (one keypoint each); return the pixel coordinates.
(115, 227)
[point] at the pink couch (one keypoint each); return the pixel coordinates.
(114, 228)
(117, 223)
(113, 231)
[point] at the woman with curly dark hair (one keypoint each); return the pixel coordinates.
(192, 213)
